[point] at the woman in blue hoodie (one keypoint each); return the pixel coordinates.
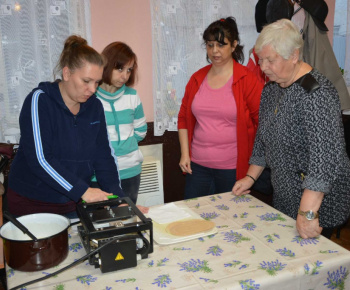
(64, 140)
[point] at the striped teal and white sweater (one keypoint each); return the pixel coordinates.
(126, 126)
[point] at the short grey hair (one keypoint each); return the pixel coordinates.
(283, 36)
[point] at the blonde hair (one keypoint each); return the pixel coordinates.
(283, 36)
(76, 52)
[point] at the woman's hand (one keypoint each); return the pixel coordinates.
(308, 229)
(242, 186)
(185, 160)
(94, 195)
(311, 200)
(185, 164)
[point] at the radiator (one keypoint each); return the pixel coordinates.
(151, 187)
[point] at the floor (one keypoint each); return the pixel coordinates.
(2, 279)
(344, 238)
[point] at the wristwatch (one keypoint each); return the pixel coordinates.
(310, 215)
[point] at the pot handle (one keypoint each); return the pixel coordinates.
(19, 225)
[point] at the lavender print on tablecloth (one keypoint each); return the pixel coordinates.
(315, 267)
(252, 250)
(201, 239)
(127, 280)
(244, 215)
(181, 249)
(249, 226)
(328, 252)
(222, 207)
(75, 247)
(162, 281)
(285, 252)
(215, 198)
(215, 251)
(271, 238)
(241, 198)
(299, 240)
(234, 263)
(285, 226)
(271, 217)
(86, 279)
(234, 237)
(336, 279)
(10, 273)
(209, 215)
(272, 267)
(244, 266)
(208, 280)
(195, 266)
(162, 262)
(249, 284)
(150, 264)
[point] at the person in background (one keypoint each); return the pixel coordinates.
(300, 136)
(64, 140)
(218, 117)
(126, 122)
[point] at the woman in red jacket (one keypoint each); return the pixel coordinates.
(218, 117)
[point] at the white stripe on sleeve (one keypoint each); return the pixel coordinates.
(38, 144)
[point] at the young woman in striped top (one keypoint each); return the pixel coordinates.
(126, 122)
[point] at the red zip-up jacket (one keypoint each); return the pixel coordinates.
(246, 89)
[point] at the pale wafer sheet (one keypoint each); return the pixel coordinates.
(162, 237)
(189, 227)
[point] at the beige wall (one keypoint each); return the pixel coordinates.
(130, 21)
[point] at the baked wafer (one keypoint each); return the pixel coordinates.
(189, 227)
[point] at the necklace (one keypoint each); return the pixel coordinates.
(278, 103)
(293, 80)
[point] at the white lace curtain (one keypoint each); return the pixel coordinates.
(32, 35)
(177, 27)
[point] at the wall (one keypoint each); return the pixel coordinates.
(130, 21)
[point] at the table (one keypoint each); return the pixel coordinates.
(256, 247)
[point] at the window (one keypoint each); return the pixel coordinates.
(340, 33)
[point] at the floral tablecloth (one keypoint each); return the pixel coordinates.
(256, 247)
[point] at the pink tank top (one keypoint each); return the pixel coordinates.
(214, 143)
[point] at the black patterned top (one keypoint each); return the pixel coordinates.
(301, 138)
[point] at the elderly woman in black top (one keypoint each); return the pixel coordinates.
(300, 136)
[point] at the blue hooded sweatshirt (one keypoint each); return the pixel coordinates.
(59, 152)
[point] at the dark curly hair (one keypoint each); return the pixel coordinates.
(225, 28)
